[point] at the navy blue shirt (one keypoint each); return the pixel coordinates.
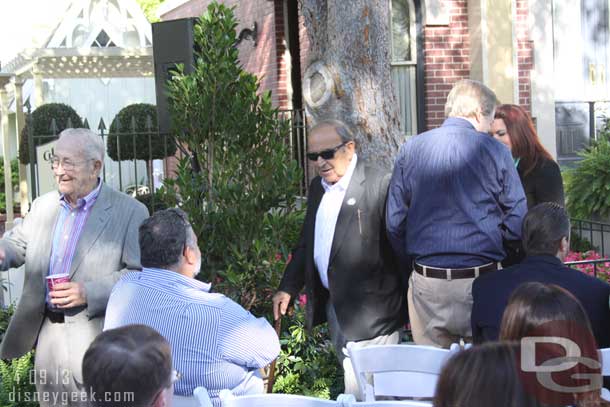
(454, 195)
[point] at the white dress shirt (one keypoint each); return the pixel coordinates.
(326, 220)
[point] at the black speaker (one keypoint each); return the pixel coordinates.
(172, 44)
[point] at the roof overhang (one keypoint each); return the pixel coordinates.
(109, 62)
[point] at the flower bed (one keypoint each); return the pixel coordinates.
(603, 269)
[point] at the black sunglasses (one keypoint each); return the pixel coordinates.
(325, 154)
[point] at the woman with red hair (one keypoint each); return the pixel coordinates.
(538, 171)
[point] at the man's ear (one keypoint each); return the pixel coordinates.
(564, 245)
(190, 255)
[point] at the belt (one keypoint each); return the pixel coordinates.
(454, 274)
(55, 317)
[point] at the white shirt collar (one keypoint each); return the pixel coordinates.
(343, 183)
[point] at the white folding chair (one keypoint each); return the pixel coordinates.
(604, 357)
(397, 403)
(202, 396)
(280, 400)
(398, 370)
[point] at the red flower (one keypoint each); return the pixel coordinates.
(302, 299)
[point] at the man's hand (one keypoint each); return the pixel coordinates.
(281, 300)
(68, 295)
(2, 255)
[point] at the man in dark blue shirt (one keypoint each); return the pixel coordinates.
(454, 196)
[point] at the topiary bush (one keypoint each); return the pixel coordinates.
(15, 181)
(588, 184)
(141, 118)
(41, 121)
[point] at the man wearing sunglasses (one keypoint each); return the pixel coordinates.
(343, 258)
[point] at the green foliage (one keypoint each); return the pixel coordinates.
(137, 124)
(588, 185)
(41, 121)
(307, 363)
(14, 180)
(16, 385)
(240, 188)
(154, 202)
(149, 7)
(17, 388)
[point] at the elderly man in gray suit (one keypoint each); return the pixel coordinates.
(87, 231)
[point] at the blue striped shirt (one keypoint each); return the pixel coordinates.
(215, 342)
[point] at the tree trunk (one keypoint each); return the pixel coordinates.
(348, 73)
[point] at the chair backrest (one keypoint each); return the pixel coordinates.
(604, 358)
(275, 400)
(184, 401)
(397, 370)
(202, 396)
(397, 403)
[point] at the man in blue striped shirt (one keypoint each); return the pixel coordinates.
(215, 342)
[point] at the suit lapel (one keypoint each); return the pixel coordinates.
(94, 225)
(349, 209)
(46, 244)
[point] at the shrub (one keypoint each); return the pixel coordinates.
(588, 185)
(240, 184)
(41, 119)
(307, 363)
(137, 124)
(17, 385)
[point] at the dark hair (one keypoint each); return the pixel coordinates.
(163, 237)
(533, 304)
(525, 142)
(483, 376)
(340, 128)
(547, 310)
(132, 363)
(543, 228)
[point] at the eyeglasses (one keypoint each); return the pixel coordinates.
(325, 154)
(66, 163)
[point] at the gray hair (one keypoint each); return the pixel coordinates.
(340, 128)
(469, 97)
(89, 142)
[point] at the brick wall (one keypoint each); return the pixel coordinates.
(446, 60)
(263, 60)
(525, 54)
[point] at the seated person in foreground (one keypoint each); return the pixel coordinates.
(536, 315)
(215, 342)
(483, 376)
(546, 235)
(129, 366)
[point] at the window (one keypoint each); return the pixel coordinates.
(402, 22)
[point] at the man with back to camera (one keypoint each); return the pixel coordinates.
(85, 230)
(343, 258)
(546, 239)
(215, 343)
(129, 366)
(454, 196)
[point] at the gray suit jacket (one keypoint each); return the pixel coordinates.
(108, 245)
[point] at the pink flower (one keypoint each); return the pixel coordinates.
(302, 299)
(278, 256)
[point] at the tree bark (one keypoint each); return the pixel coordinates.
(348, 73)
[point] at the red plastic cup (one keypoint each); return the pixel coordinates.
(55, 279)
